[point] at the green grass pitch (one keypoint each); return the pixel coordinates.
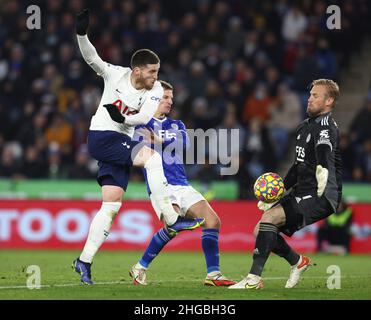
(175, 276)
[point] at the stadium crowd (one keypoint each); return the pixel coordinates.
(234, 64)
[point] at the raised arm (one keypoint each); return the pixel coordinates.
(88, 51)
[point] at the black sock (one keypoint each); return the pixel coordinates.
(265, 242)
(283, 250)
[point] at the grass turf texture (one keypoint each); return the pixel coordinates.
(175, 276)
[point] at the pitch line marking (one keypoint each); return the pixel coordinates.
(157, 281)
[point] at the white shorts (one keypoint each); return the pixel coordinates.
(183, 196)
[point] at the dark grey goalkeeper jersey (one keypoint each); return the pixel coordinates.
(311, 133)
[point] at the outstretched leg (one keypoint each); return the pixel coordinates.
(152, 162)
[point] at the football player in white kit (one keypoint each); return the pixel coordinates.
(136, 93)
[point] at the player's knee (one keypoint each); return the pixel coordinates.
(268, 218)
(154, 162)
(112, 193)
(212, 221)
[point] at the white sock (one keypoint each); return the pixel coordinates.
(213, 274)
(159, 188)
(254, 277)
(99, 229)
(139, 266)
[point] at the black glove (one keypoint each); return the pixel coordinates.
(82, 22)
(114, 113)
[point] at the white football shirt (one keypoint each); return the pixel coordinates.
(138, 106)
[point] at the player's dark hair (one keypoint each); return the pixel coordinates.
(332, 88)
(166, 85)
(142, 57)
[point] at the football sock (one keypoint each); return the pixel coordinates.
(99, 229)
(210, 246)
(265, 242)
(159, 240)
(283, 250)
(159, 188)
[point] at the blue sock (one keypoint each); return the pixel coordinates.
(159, 240)
(210, 246)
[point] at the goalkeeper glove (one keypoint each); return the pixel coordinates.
(82, 22)
(114, 113)
(321, 176)
(264, 206)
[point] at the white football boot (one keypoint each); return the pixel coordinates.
(216, 279)
(251, 281)
(296, 271)
(138, 275)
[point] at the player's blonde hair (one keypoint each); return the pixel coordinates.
(332, 88)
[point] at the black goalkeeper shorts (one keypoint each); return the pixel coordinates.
(303, 211)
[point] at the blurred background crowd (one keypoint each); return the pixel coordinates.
(234, 64)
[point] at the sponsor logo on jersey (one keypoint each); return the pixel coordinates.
(155, 98)
(165, 134)
(300, 153)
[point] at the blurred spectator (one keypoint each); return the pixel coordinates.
(80, 169)
(294, 23)
(33, 165)
(360, 127)
(56, 168)
(285, 106)
(334, 235)
(347, 152)
(215, 53)
(257, 105)
(10, 164)
(363, 161)
(326, 60)
(258, 149)
(60, 133)
(306, 69)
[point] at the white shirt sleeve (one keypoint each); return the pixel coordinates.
(148, 109)
(91, 56)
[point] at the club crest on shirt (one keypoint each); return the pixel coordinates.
(174, 126)
(308, 138)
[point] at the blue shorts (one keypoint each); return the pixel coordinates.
(113, 151)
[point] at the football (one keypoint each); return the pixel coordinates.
(269, 187)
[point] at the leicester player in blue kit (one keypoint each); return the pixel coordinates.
(163, 131)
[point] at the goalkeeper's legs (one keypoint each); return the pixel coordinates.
(282, 249)
(266, 241)
(298, 263)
